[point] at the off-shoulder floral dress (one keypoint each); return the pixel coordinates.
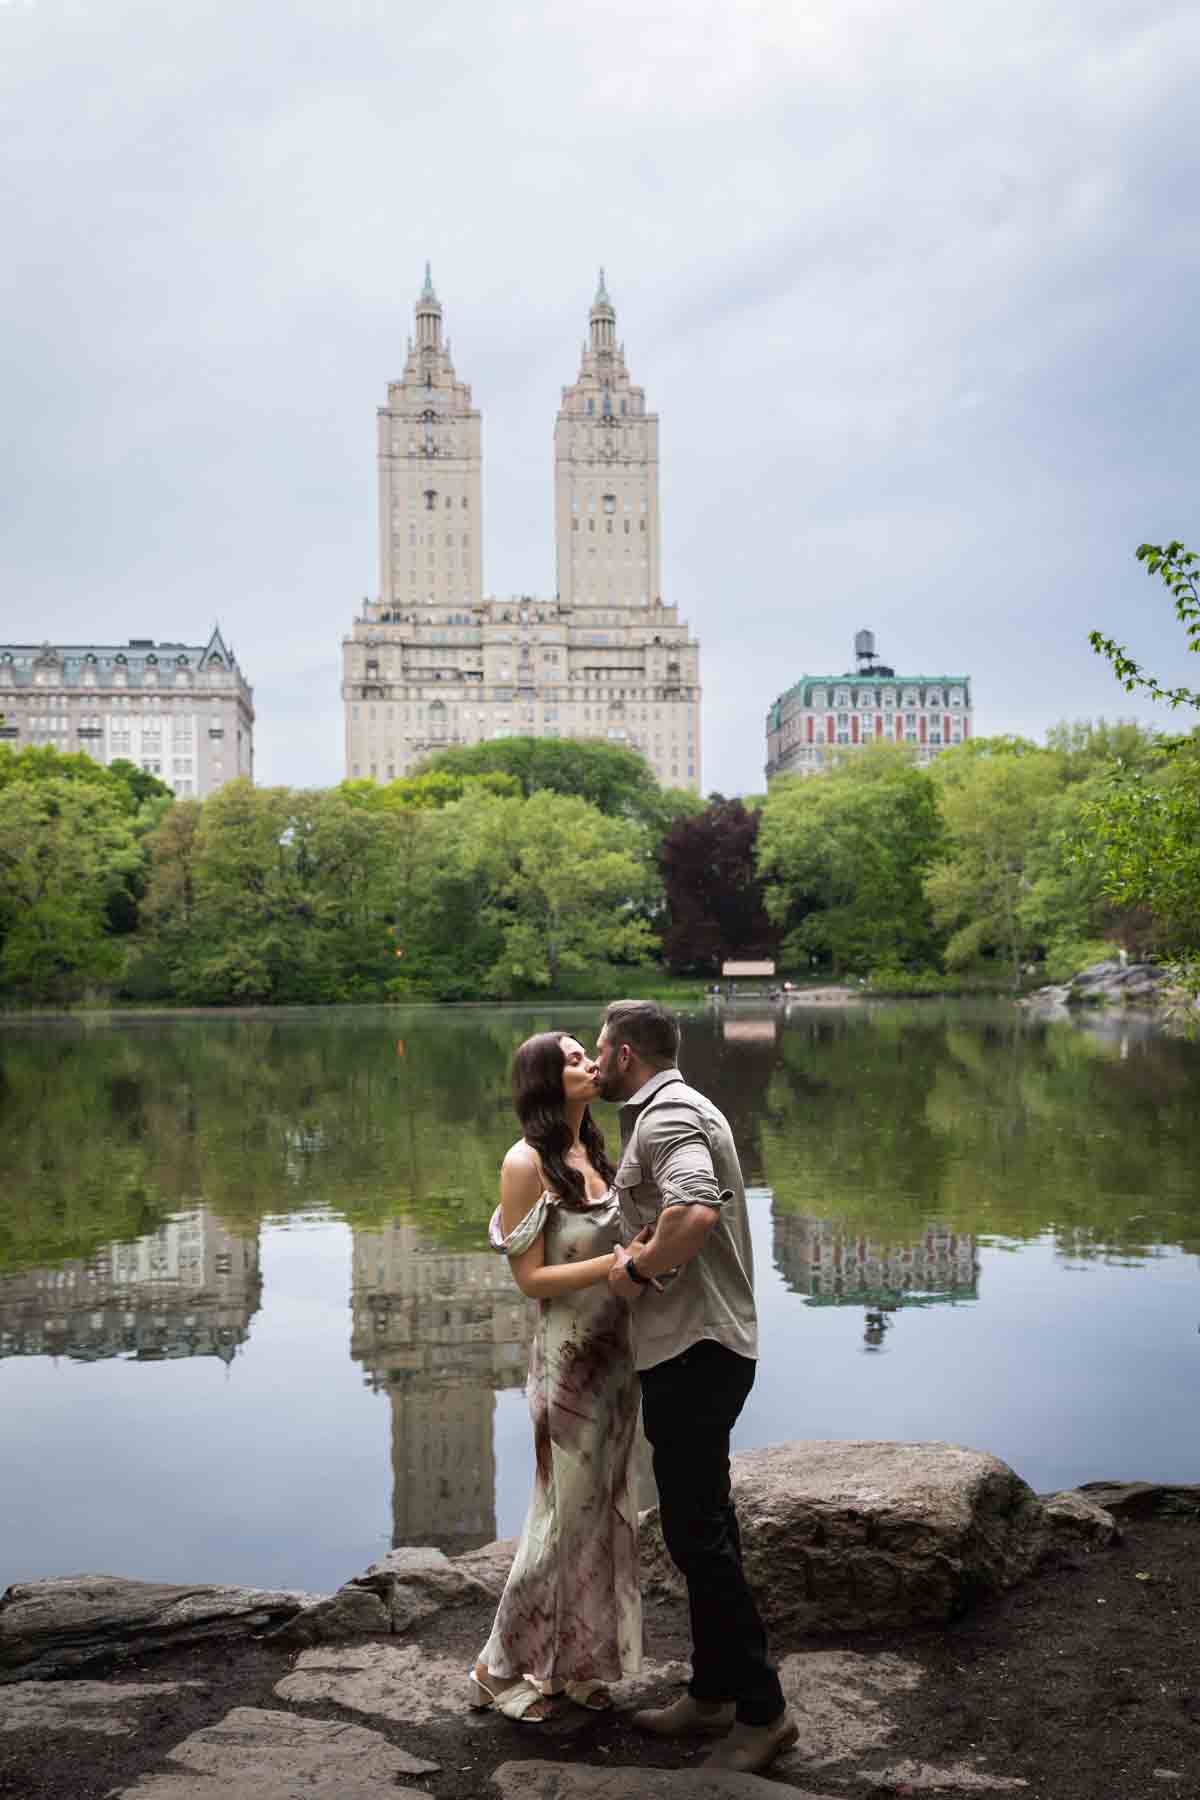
(571, 1610)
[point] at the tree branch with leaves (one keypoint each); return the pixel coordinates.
(1179, 570)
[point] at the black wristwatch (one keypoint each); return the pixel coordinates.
(635, 1274)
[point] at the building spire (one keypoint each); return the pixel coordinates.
(429, 316)
(603, 319)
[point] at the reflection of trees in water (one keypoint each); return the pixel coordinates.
(881, 1116)
(371, 1113)
(734, 1068)
(190, 1288)
(1001, 1125)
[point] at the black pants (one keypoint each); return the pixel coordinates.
(689, 1407)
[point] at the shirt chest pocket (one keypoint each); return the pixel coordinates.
(638, 1196)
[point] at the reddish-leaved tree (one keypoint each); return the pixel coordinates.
(714, 898)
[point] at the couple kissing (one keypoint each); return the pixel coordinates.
(644, 1275)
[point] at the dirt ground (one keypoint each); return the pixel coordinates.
(1084, 1682)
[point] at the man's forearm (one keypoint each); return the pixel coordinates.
(680, 1235)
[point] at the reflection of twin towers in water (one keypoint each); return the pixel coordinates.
(187, 1289)
(439, 1331)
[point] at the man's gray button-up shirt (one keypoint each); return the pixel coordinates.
(677, 1149)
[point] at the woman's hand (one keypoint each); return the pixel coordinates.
(621, 1283)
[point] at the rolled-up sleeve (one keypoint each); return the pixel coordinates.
(674, 1145)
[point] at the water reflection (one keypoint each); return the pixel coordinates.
(1053, 1157)
(440, 1332)
(831, 1266)
(190, 1288)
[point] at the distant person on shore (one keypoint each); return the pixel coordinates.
(570, 1617)
(680, 1189)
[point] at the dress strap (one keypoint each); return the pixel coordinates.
(527, 1232)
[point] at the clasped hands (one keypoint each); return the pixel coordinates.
(621, 1283)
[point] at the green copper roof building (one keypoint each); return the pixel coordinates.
(822, 717)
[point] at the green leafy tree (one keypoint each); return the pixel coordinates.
(68, 856)
(618, 782)
(269, 895)
(1142, 831)
(133, 787)
(557, 880)
(992, 794)
(431, 789)
(844, 855)
(1073, 919)
(1141, 842)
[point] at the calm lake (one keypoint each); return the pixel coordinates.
(249, 1330)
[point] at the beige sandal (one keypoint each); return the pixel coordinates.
(514, 1702)
(592, 1694)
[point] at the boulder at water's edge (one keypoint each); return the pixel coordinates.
(867, 1536)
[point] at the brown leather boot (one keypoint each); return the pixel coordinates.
(686, 1717)
(749, 1748)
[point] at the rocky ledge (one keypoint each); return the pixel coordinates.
(1104, 984)
(345, 1696)
(839, 1537)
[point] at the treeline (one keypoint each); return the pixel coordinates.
(530, 866)
(520, 867)
(1000, 856)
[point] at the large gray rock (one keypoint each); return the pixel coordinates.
(1108, 983)
(870, 1536)
(1103, 984)
(257, 1755)
(67, 1622)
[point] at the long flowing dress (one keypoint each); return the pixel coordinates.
(571, 1609)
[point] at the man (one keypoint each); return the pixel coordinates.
(697, 1342)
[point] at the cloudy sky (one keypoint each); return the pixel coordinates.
(913, 287)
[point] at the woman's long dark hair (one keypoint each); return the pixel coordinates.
(540, 1101)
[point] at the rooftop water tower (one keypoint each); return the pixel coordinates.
(864, 650)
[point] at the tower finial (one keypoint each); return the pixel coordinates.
(429, 316)
(603, 319)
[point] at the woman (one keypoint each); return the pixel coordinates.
(570, 1615)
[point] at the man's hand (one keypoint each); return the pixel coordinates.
(619, 1282)
(623, 1284)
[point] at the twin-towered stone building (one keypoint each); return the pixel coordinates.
(432, 662)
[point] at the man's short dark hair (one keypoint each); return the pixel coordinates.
(651, 1032)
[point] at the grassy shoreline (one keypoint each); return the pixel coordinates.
(668, 991)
